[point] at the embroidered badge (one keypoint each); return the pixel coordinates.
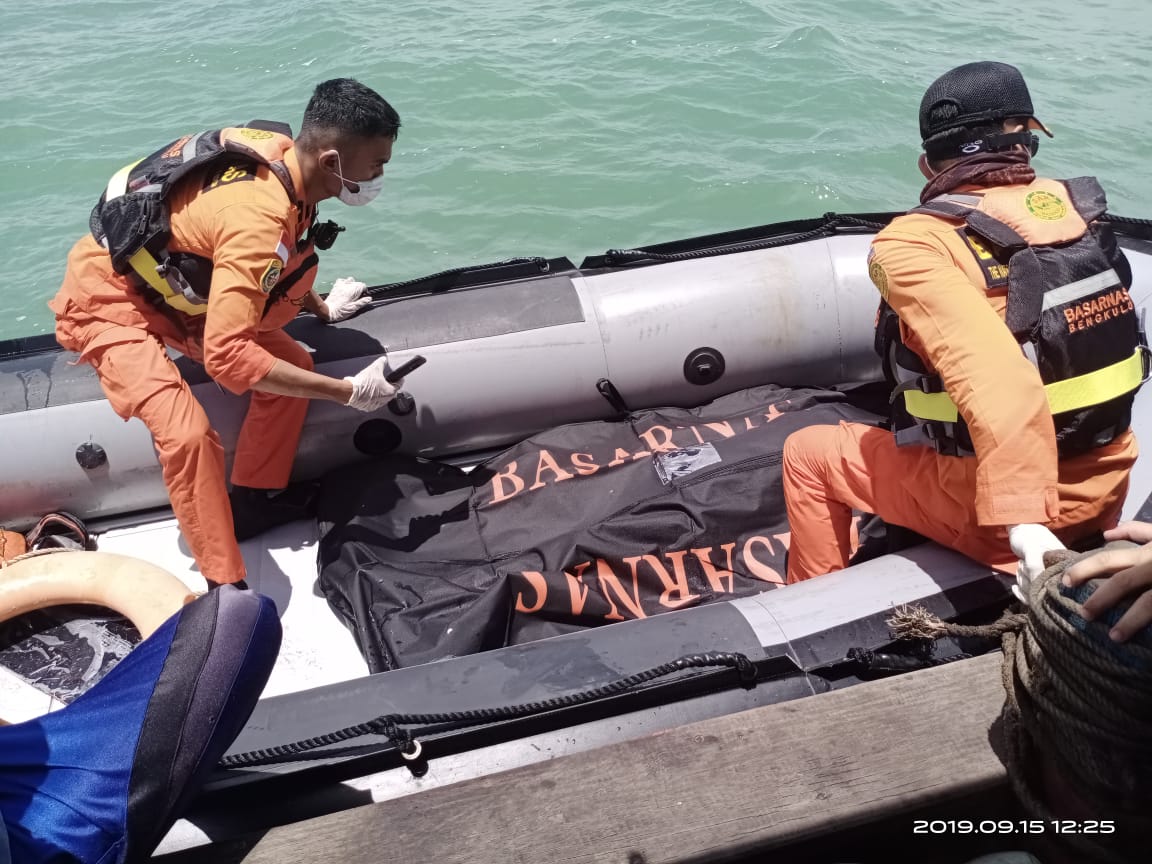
(271, 275)
(1045, 205)
(878, 276)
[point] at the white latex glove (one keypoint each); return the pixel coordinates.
(1030, 542)
(370, 392)
(346, 299)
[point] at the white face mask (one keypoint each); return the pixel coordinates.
(369, 189)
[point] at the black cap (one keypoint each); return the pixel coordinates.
(974, 95)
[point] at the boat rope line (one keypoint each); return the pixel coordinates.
(1076, 703)
(827, 228)
(390, 725)
(541, 264)
(55, 532)
(866, 663)
(879, 662)
(1124, 220)
(35, 553)
(831, 222)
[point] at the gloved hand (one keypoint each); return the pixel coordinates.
(370, 391)
(1030, 542)
(346, 299)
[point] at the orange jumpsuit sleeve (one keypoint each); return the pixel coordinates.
(246, 235)
(996, 389)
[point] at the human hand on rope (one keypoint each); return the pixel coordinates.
(1029, 543)
(346, 299)
(1128, 572)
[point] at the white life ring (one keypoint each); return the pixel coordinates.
(143, 593)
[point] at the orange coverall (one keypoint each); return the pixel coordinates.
(950, 319)
(239, 220)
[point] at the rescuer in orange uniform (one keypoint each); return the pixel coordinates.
(1012, 386)
(208, 247)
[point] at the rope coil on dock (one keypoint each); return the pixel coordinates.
(1078, 709)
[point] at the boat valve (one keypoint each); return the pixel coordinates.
(91, 456)
(703, 366)
(402, 403)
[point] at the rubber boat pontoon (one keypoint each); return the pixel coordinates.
(512, 349)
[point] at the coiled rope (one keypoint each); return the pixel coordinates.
(1076, 699)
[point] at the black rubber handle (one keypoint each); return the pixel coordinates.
(403, 370)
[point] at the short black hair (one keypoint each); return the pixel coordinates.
(343, 107)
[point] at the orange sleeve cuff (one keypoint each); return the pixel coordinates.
(1015, 508)
(237, 364)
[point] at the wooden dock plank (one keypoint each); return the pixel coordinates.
(751, 781)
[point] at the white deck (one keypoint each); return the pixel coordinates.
(317, 649)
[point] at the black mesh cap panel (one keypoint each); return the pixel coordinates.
(974, 94)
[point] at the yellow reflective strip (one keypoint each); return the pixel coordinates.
(145, 263)
(930, 406)
(1097, 387)
(118, 185)
(1071, 394)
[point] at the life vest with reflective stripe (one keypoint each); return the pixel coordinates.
(1067, 306)
(131, 219)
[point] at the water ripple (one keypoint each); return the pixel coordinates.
(558, 127)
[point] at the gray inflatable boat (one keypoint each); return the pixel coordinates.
(512, 349)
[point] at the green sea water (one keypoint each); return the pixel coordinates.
(549, 128)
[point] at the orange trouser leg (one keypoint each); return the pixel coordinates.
(271, 432)
(819, 523)
(831, 470)
(141, 381)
